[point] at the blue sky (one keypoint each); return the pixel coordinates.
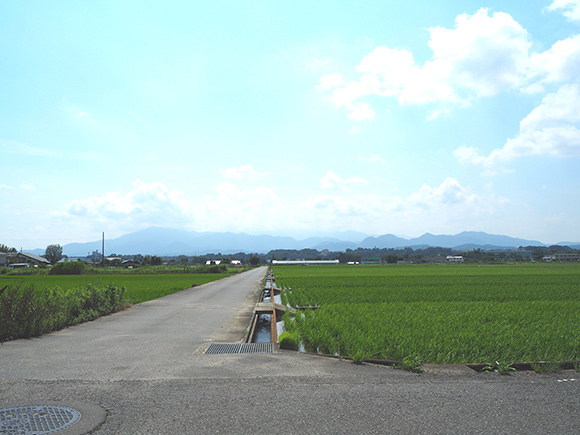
(296, 118)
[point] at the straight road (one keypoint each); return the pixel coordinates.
(141, 366)
(149, 340)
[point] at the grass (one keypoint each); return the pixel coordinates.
(442, 314)
(32, 305)
(138, 287)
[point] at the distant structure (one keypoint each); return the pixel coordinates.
(454, 259)
(34, 259)
(566, 257)
(305, 262)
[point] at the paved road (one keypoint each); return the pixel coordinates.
(141, 366)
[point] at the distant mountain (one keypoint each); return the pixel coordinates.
(464, 239)
(168, 242)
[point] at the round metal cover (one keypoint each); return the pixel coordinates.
(36, 420)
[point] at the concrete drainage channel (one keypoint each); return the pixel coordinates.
(38, 418)
(263, 335)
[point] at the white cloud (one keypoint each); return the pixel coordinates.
(27, 187)
(332, 180)
(569, 8)
(373, 158)
(14, 147)
(146, 204)
(82, 117)
(551, 129)
(330, 81)
(360, 111)
(487, 54)
(259, 210)
(236, 209)
(242, 172)
(560, 63)
(481, 56)
(449, 193)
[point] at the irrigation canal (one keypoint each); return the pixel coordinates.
(266, 324)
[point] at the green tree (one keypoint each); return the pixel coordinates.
(4, 248)
(53, 253)
(254, 260)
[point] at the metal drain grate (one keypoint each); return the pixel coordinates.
(36, 420)
(217, 348)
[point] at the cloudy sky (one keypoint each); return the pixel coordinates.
(289, 118)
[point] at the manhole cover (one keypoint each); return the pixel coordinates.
(36, 420)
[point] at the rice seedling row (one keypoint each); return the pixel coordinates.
(438, 314)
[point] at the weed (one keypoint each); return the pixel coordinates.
(499, 367)
(27, 312)
(410, 364)
(577, 366)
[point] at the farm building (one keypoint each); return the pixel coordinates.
(212, 262)
(305, 262)
(34, 259)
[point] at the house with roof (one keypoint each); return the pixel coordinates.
(36, 260)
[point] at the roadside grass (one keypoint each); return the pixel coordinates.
(29, 312)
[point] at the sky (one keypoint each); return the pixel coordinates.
(289, 118)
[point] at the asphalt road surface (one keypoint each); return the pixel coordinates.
(144, 367)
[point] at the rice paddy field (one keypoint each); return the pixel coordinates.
(440, 314)
(138, 287)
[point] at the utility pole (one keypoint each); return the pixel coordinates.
(103, 259)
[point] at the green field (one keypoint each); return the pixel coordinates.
(138, 287)
(444, 314)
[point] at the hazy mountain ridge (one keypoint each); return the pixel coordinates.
(168, 242)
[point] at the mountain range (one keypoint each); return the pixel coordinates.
(169, 242)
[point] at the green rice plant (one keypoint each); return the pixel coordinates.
(289, 340)
(440, 314)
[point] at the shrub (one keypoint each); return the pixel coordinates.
(289, 340)
(68, 268)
